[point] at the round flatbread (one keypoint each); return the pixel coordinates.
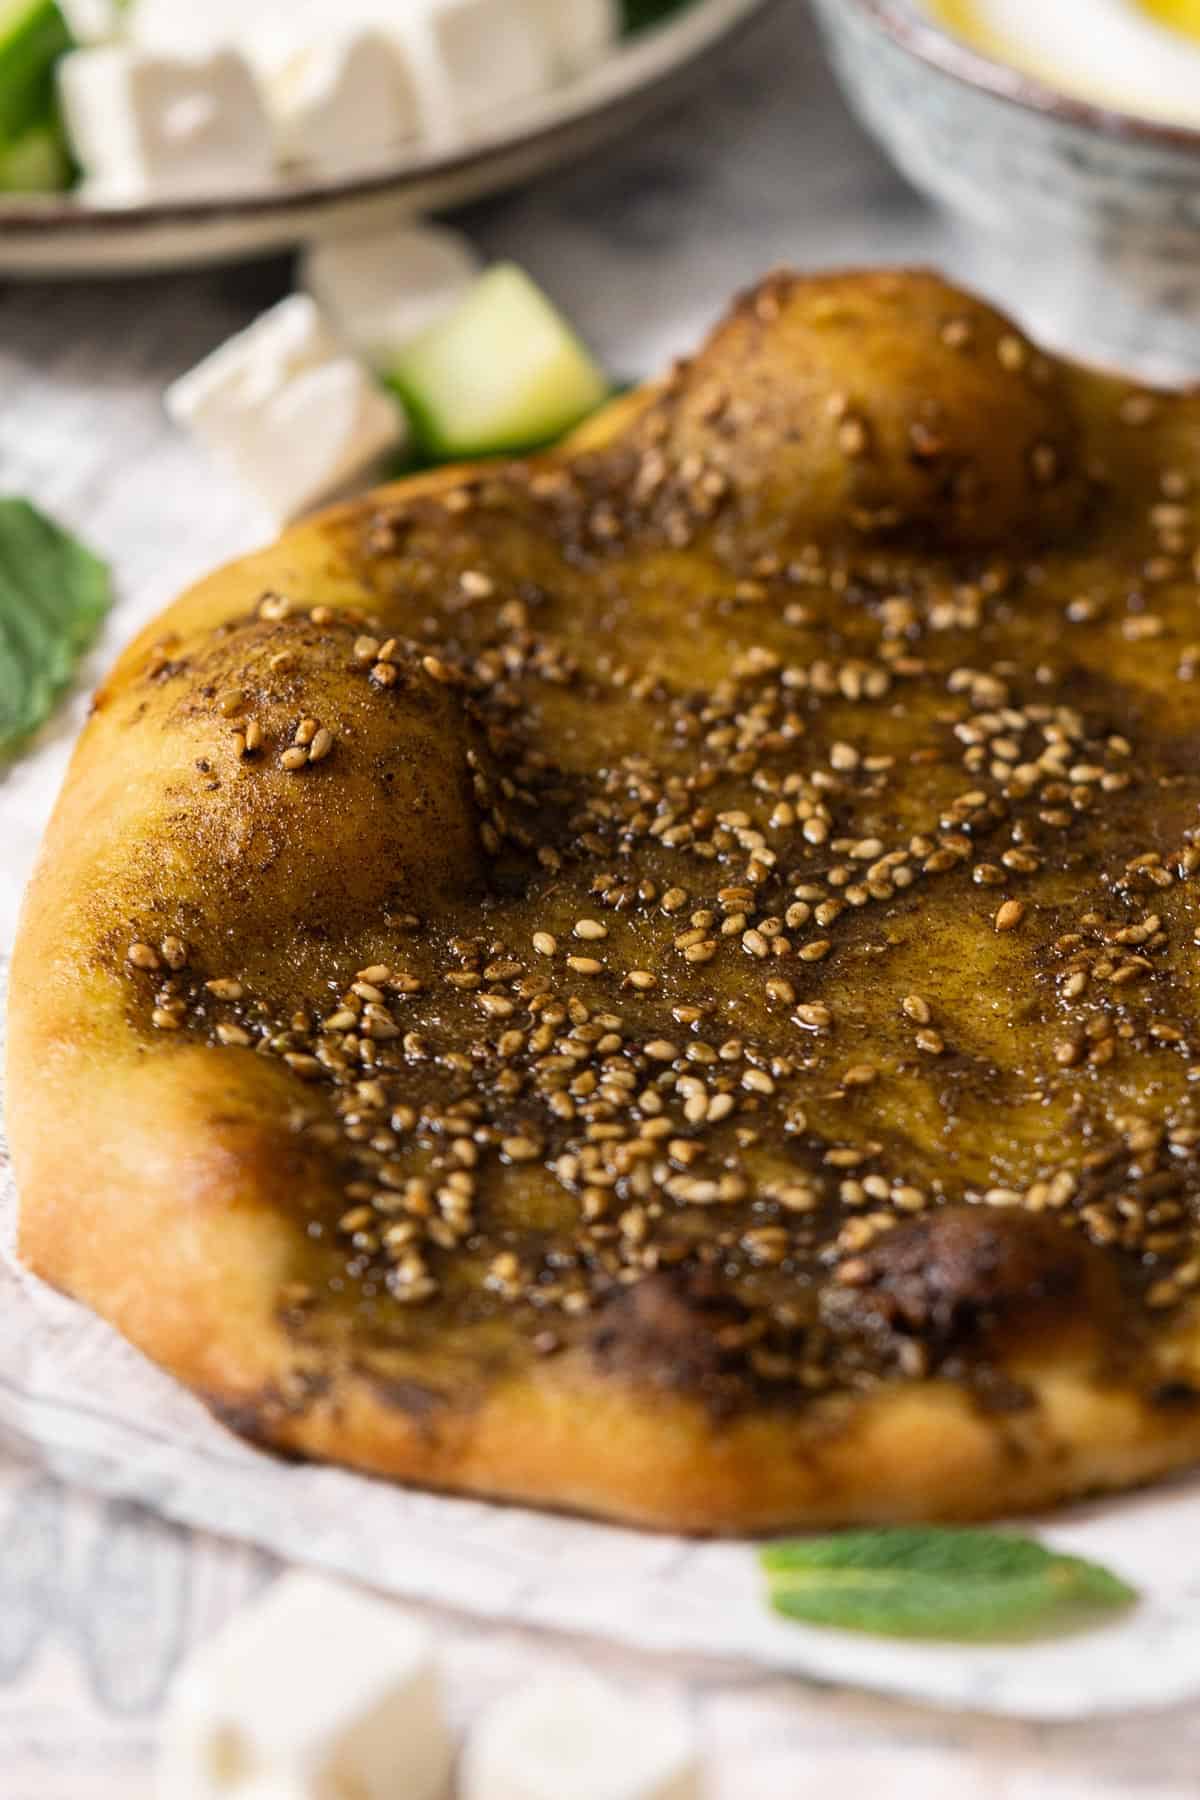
(660, 979)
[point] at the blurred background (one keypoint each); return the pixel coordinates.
(641, 244)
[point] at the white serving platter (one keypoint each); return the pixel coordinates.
(63, 237)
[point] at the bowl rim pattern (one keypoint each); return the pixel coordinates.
(926, 42)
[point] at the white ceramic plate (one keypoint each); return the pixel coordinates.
(61, 237)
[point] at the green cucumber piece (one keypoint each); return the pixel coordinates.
(33, 35)
(637, 15)
(38, 162)
(503, 372)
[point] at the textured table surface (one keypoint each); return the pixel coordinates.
(99, 1600)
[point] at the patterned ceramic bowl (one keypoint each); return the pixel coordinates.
(1096, 213)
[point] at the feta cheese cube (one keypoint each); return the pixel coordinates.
(580, 32)
(315, 1691)
(573, 1735)
(90, 21)
(473, 60)
(292, 413)
(198, 25)
(343, 100)
(145, 125)
(383, 288)
(267, 1788)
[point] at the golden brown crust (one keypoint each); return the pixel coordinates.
(858, 474)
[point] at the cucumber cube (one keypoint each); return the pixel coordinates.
(37, 162)
(639, 15)
(33, 35)
(502, 372)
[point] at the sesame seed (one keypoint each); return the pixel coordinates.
(1138, 409)
(224, 988)
(143, 956)
(753, 809)
(1011, 352)
(758, 1081)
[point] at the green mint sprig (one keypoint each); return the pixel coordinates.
(937, 1582)
(53, 595)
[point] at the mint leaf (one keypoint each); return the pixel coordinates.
(935, 1582)
(53, 594)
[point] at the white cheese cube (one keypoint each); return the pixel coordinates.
(474, 60)
(344, 100)
(580, 32)
(268, 1788)
(292, 413)
(144, 125)
(572, 1736)
(91, 21)
(216, 24)
(383, 288)
(316, 1691)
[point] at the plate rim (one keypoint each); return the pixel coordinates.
(681, 43)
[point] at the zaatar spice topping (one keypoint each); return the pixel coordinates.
(786, 869)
